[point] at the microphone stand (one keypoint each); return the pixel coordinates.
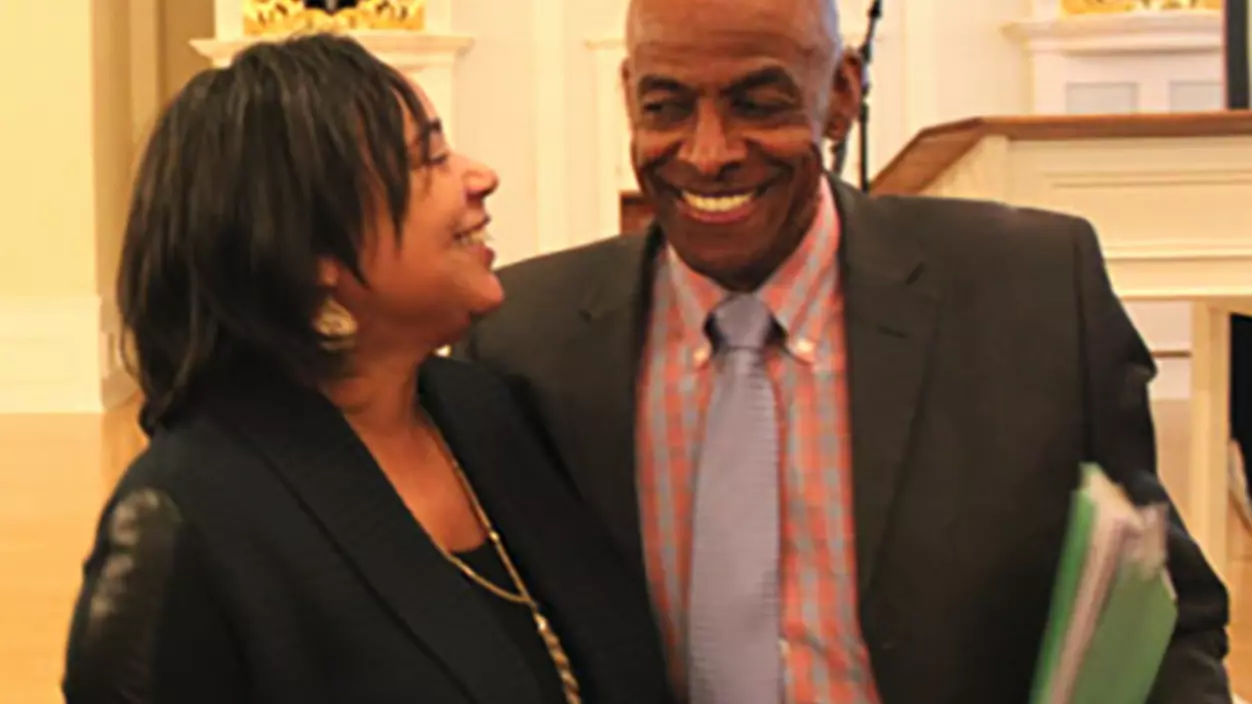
(867, 54)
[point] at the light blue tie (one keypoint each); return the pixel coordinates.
(733, 627)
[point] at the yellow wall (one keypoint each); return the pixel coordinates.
(81, 82)
(71, 111)
(46, 134)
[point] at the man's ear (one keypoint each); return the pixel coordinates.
(847, 89)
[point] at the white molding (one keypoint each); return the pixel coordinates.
(55, 356)
(228, 17)
(552, 231)
(1148, 32)
(852, 36)
(425, 57)
(404, 50)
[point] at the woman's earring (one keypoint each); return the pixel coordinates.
(335, 324)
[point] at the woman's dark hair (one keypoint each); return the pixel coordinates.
(254, 173)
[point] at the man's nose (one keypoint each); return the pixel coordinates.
(710, 147)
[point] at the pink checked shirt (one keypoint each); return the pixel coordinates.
(824, 657)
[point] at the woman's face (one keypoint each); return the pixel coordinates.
(426, 286)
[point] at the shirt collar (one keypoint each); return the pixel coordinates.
(789, 292)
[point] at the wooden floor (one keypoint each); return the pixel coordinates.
(55, 471)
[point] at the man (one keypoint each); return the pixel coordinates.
(838, 435)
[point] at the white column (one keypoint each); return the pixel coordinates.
(921, 46)
(612, 157)
(552, 229)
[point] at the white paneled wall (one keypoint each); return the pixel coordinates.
(1125, 63)
(536, 97)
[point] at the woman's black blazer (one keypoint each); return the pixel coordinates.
(256, 553)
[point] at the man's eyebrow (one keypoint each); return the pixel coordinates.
(771, 76)
(652, 82)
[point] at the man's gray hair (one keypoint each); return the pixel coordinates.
(827, 12)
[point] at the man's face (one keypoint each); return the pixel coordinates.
(728, 102)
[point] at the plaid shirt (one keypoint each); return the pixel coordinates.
(824, 657)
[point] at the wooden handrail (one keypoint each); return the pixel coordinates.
(935, 149)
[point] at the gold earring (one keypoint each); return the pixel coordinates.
(335, 324)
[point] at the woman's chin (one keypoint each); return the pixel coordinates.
(487, 297)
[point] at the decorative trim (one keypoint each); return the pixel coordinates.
(279, 17)
(1080, 7)
(55, 357)
(406, 51)
(852, 35)
(1156, 32)
(1197, 252)
(228, 17)
(431, 55)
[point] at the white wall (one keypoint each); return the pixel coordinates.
(933, 62)
(527, 97)
(495, 111)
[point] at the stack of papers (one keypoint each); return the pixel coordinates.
(1113, 606)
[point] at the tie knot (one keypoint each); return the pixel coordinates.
(743, 322)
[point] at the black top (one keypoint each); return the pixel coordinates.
(255, 552)
(515, 618)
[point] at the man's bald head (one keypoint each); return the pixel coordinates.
(729, 104)
(817, 21)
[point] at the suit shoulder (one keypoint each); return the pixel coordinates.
(990, 251)
(984, 241)
(179, 461)
(571, 269)
(966, 222)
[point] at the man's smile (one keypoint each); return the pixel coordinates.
(722, 206)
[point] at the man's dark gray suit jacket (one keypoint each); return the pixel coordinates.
(988, 357)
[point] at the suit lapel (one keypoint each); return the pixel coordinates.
(316, 454)
(891, 308)
(549, 535)
(595, 380)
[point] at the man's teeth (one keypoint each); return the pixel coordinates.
(716, 204)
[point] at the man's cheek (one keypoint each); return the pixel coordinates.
(787, 143)
(650, 147)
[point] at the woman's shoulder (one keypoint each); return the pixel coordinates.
(184, 465)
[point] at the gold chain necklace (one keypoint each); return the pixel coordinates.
(569, 683)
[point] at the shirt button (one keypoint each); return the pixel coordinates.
(804, 346)
(700, 356)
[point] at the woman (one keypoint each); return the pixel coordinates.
(328, 511)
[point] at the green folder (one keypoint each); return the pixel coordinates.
(1113, 606)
